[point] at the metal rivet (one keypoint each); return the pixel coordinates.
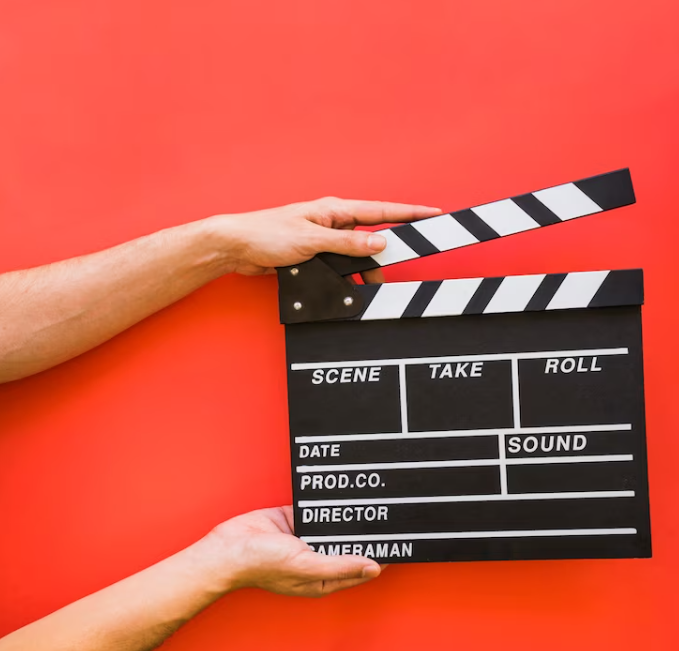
(297, 305)
(294, 271)
(348, 300)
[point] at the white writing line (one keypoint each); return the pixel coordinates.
(503, 465)
(516, 403)
(451, 535)
(461, 358)
(516, 413)
(401, 465)
(594, 458)
(440, 499)
(403, 398)
(387, 436)
(464, 463)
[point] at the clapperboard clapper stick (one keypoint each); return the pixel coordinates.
(470, 419)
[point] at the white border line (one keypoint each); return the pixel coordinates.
(442, 499)
(573, 429)
(592, 458)
(516, 402)
(452, 535)
(402, 386)
(462, 358)
(464, 463)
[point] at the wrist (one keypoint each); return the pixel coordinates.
(209, 562)
(211, 242)
(227, 240)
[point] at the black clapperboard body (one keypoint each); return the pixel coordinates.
(470, 419)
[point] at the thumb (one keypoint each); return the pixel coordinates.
(339, 568)
(359, 244)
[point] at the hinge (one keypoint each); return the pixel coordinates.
(312, 291)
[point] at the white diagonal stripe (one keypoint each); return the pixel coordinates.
(445, 232)
(390, 301)
(567, 201)
(505, 217)
(452, 297)
(513, 294)
(396, 250)
(577, 290)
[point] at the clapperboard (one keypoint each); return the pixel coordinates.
(470, 419)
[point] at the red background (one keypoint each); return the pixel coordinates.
(121, 117)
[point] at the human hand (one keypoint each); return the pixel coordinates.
(259, 550)
(257, 242)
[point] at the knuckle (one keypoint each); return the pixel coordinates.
(329, 204)
(324, 202)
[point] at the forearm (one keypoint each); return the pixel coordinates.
(136, 614)
(255, 550)
(53, 313)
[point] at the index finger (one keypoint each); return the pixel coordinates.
(369, 213)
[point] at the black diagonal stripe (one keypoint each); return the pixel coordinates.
(621, 287)
(484, 292)
(536, 209)
(475, 225)
(609, 191)
(545, 292)
(415, 240)
(367, 293)
(422, 298)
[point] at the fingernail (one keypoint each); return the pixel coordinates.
(370, 572)
(376, 242)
